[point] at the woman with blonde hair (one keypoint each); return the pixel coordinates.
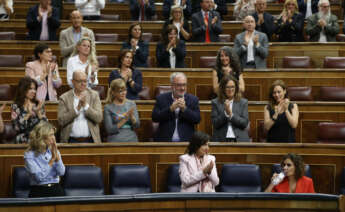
(244, 8)
(177, 19)
(290, 23)
(6, 8)
(83, 58)
(120, 114)
(43, 162)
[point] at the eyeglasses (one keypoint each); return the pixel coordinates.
(122, 90)
(230, 87)
(324, 6)
(180, 85)
(80, 81)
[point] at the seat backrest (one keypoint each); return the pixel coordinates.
(83, 181)
(207, 61)
(296, 62)
(103, 61)
(330, 132)
(9, 134)
(129, 179)
(240, 178)
(302, 93)
(101, 91)
(6, 92)
(224, 38)
(106, 37)
(340, 37)
(162, 89)
(21, 182)
(332, 93)
(334, 62)
(11, 61)
(276, 168)
(173, 178)
(7, 35)
(262, 133)
(146, 36)
(144, 94)
(342, 182)
(110, 17)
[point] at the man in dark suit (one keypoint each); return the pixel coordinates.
(185, 4)
(142, 10)
(206, 24)
(216, 5)
(264, 21)
(177, 112)
(42, 21)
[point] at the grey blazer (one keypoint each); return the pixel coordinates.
(239, 120)
(260, 53)
(67, 44)
(313, 29)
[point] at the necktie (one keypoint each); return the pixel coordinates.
(142, 10)
(207, 34)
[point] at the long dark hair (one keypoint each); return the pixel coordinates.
(123, 53)
(222, 87)
(23, 86)
(234, 62)
(297, 161)
(270, 95)
(198, 139)
(130, 31)
(165, 34)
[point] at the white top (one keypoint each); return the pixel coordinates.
(80, 129)
(309, 11)
(230, 133)
(323, 37)
(172, 58)
(250, 49)
(87, 8)
(176, 136)
(9, 4)
(74, 64)
(178, 26)
(44, 33)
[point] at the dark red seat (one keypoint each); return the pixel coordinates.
(296, 62)
(6, 92)
(103, 61)
(300, 93)
(162, 89)
(110, 17)
(330, 132)
(224, 38)
(8, 135)
(7, 35)
(146, 36)
(101, 91)
(106, 37)
(340, 37)
(11, 61)
(207, 61)
(332, 93)
(144, 94)
(334, 62)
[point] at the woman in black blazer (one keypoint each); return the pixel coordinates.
(176, 18)
(170, 51)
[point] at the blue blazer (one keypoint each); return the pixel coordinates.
(199, 27)
(167, 123)
(268, 27)
(141, 54)
(35, 27)
(132, 93)
(134, 8)
(163, 56)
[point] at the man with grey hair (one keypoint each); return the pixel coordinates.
(322, 26)
(177, 111)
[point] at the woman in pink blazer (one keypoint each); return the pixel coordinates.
(45, 72)
(198, 171)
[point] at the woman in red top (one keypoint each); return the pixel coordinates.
(294, 180)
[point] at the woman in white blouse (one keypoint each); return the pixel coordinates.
(6, 8)
(84, 59)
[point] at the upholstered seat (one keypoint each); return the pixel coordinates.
(21, 182)
(144, 94)
(332, 93)
(11, 61)
(296, 62)
(262, 133)
(162, 89)
(110, 17)
(240, 178)
(129, 179)
(101, 91)
(334, 62)
(6, 92)
(207, 61)
(173, 178)
(342, 182)
(224, 38)
(276, 168)
(340, 37)
(330, 132)
(146, 36)
(7, 35)
(300, 93)
(9, 134)
(83, 181)
(102, 61)
(106, 37)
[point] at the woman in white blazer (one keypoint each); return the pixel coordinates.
(198, 171)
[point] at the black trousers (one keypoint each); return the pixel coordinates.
(44, 191)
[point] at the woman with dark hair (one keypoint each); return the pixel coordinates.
(120, 114)
(198, 171)
(229, 113)
(280, 116)
(227, 63)
(26, 111)
(132, 77)
(43, 162)
(45, 71)
(139, 47)
(293, 180)
(170, 52)
(176, 18)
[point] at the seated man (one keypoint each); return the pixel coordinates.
(177, 112)
(90, 9)
(206, 24)
(264, 21)
(71, 35)
(42, 21)
(251, 46)
(80, 112)
(322, 26)
(142, 10)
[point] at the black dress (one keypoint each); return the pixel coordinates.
(281, 131)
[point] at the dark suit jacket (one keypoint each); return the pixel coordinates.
(313, 29)
(35, 27)
(134, 8)
(132, 93)
(167, 124)
(291, 32)
(222, 8)
(302, 7)
(185, 26)
(141, 54)
(268, 27)
(199, 27)
(239, 120)
(163, 56)
(187, 12)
